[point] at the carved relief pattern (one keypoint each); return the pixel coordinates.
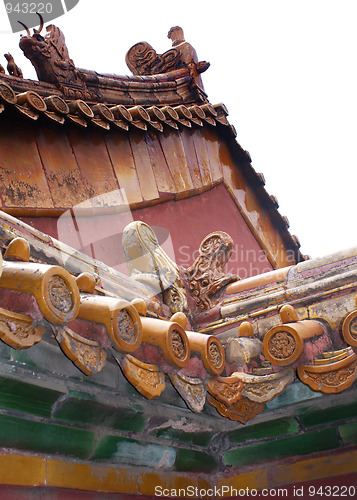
(60, 294)
(263, 388)
(142, 59)
(192, 390)
(330, 378)
(86, 354)
(226, 390)
(282, 345)
(147, 379)
(241, 411)
(19, 331)
(126, 327)
(206, 275)
(215, 354)
(334, 378)
(7, 94)
(178, 345)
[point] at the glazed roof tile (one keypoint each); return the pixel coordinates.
(142, 186)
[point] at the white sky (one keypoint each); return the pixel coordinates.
(285, 69)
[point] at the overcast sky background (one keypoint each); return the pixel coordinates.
(285, 69)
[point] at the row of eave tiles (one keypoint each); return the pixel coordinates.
(32, 105)
(78, 112)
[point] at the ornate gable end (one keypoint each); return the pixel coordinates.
(158, 323)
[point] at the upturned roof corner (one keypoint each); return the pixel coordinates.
(170, 78)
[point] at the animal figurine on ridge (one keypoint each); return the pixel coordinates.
(12, 67)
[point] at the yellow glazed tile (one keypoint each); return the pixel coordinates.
(22, 470)
(205, 487)
(163, 484)
(255, 480)
(315, 468)
(91, 477)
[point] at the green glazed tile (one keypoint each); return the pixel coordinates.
(273, 428)
(194, 461)
(303, 444)
(348, 433)
(44, 438)
(312, 417)
(90, 412)
(26, 398)
(129, 451)
(196, 438)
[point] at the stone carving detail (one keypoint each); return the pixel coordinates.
(142, 59)
(49, 55)
(12, 67)
(86, 354)
(215, 354)
(60, 294)
(227, 390)
(330, 378)
(126, 327)
(241, 411)
(19, 330)
(206, 275)
(178, 345)
(147, 379)
(282, 345)
(191, 389)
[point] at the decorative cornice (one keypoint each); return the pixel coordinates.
(54, 108)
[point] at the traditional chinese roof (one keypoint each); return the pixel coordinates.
(154, 135)
(83, 407)
(117, 383)
(156, 153)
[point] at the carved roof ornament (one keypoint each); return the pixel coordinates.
(142, 59)
(150, 265)
(12, 67)
(49, 55)
(89, 326)
(206, 275)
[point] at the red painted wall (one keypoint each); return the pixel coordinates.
(317, 489)
(180, 227)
